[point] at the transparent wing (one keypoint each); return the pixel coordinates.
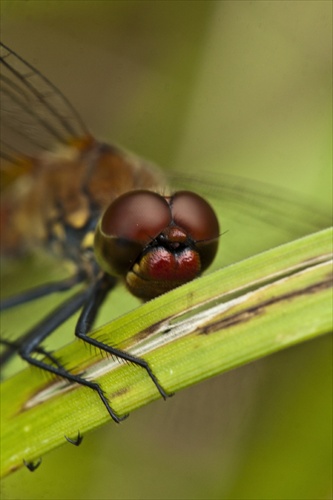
(34, 113)
(253, 215)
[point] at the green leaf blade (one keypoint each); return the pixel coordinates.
(216, 323)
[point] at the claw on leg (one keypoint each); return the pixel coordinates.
(77, 441)
(32, 466)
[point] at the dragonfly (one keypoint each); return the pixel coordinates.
(106, 210)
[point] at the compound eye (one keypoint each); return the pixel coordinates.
(137, 216)
(129, 223)
(195, 215)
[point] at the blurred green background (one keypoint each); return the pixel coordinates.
(204, 87)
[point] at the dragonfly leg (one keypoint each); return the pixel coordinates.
(42, 291)
(14, 347)
(49, 355)
(77, 441)
(86, 320)
(32, 339)
(32, 466)
(61, 372)
(30, 343)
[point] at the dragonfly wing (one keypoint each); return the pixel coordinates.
(34, 113)
(254, 215)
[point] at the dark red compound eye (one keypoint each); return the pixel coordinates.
(156, 243)
(127, 226)
(136, 216)
(195, 215)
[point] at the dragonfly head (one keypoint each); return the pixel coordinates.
(156, 243)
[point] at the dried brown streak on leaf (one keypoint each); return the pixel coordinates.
(121, 391)
(244, 316)
(148, 331)
(152, 329)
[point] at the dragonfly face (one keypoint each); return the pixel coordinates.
(168, 241)
(103, 208)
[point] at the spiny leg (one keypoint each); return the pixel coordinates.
(41, 291)
(73, 378)
(15, 346)
(30, 343)
(32, 339)
(86, 320)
